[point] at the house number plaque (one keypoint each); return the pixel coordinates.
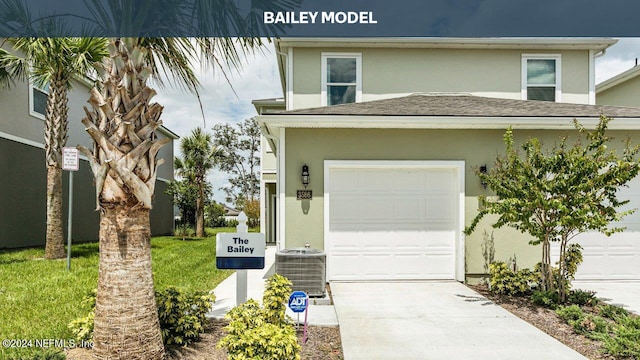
(304, 195)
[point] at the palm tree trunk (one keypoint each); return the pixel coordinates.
(126, 321)
(122, 125)
(200, 212)
(54, 248)
(55, 137)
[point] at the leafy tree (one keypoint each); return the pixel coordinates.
(53, 62)
(199, 158)
(185, 195)
(240, 158)
(252, 210)
(557, 194)
(215, 214)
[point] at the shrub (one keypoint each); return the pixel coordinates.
(548, 299)
(82, 328)
(182, 315)
(184, 231)
(508, 282)
(590, 324)
(570, 313)
(276, 295)
(625, 340)
(612, 312)
(582, 297)
(262, 333)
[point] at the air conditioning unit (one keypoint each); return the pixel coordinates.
(305, 268)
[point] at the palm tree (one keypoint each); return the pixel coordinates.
(122, 124)
(52, 61)
(199, 158)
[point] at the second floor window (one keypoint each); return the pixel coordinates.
(541, 77)
(341, 78)
(38, 100)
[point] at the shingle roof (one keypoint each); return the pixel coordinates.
(466, 105)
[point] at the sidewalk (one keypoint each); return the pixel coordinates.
(225, 292)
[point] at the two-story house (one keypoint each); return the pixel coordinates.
(391, 132)
(22, 165)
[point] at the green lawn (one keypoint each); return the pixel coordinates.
(38, 298)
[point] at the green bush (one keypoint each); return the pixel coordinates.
(262, 333)
(276, 295)
(570, 313)
(508, 282)
(82, 328)
(589, 325)
(548, 299)
(612, 312)
(182, 316)
(583, 297)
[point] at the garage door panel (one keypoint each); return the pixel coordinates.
(409, 182)
(345, 209)
(374, 181)
(440, 180)
(395, 226)
(440, 208)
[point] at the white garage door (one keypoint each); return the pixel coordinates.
(392, 223)
(616, 257)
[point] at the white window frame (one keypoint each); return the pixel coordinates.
(32, 111)
(558, 60)
(333, 55)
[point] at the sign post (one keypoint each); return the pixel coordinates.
(299, 302)
(240, 251)
(70, 163)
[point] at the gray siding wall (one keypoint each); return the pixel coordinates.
(23, 199)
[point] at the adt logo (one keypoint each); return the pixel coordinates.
(298, 301)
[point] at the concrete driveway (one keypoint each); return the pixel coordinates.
(434, 320)
(625, 294)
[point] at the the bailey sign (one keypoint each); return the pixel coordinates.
(240, 250)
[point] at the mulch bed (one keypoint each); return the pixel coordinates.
(323, 343)
(547, 321)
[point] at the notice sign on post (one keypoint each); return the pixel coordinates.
(70, 159)
(240, 251)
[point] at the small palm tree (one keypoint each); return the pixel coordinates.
(52, 61)
(199, 158)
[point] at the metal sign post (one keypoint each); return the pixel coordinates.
(299, 302)
(70, 163)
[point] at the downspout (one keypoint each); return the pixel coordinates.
(592, 74)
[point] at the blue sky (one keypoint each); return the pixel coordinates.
(258, 79)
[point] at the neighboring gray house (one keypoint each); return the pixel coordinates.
(23, 171)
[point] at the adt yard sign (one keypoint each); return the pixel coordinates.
(298, 301)
(240, 251)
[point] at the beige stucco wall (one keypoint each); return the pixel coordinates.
(267, 159)
(305, 219)
(624, 94)
(396, 72)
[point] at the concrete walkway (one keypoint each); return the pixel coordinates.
(225, 292)
(621, 293)
(434, 320)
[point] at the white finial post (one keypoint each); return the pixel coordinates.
(242, 223)
(241, 274)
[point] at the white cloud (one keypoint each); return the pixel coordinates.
(617, 59)
(257, 79)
